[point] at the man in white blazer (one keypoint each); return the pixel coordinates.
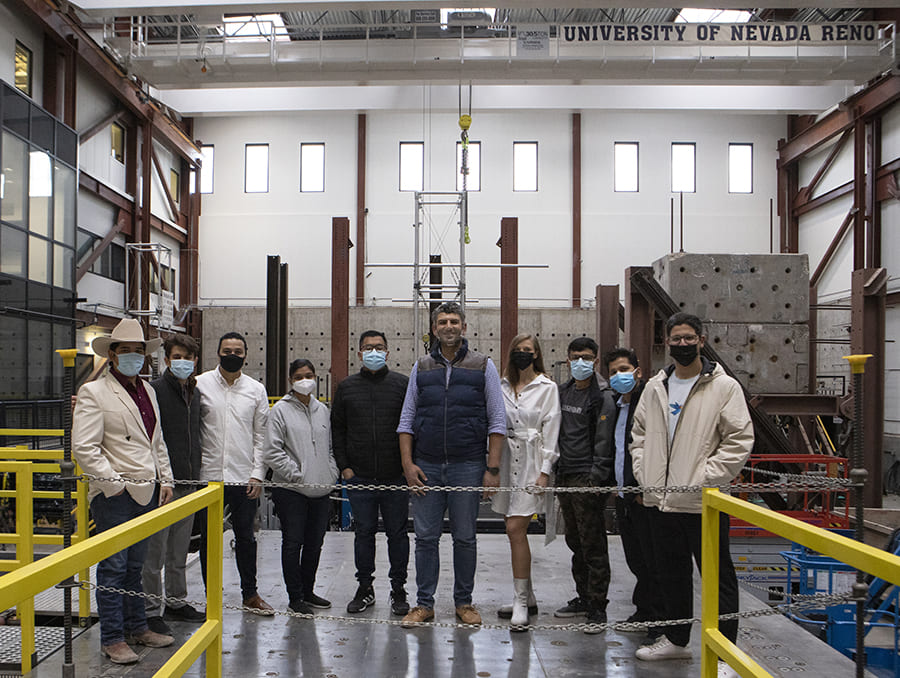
(116, 434)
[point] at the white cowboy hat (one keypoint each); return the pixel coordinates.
(128, 330)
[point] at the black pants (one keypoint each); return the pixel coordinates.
(243, 515)
(586, 538)
(676, 539)
(304, 522)
(634, 528)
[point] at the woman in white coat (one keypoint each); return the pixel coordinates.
(532, 420)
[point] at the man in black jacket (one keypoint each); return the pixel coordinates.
(365, 413)
(585, 460)
(631, 516)
(179, 414)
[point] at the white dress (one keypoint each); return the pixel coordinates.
(532, 422)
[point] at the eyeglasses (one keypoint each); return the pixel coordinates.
(379, 347)
(689, 339)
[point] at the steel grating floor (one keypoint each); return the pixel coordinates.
(281, 646)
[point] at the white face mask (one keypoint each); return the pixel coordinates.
(304, 386)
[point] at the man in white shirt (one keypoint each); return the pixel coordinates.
(233, 412)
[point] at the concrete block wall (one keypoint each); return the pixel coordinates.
(756, 311)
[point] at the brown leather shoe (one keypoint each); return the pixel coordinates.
(150, 638)
(467, 614)
(120, 653)
(416, 616)
(258, 606)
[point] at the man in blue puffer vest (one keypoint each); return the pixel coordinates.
(453, 413)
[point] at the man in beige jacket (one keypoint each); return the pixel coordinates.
(115, 435)
(691, 428)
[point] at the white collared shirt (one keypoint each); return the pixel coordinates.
(232, 427)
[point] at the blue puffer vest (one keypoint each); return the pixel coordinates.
(451, 420)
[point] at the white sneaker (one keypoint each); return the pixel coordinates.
(662, 649)
(725, 671)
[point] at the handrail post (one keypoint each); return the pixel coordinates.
(214, 518)
(709, 569)
(84, 577)
(25, 556)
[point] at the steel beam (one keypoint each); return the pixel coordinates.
(798, 404)
(576, 210)
(607, 304)
(639, 319)
(122, 220)
(509, 285)
(867, 334)
(340, 299)
(832, 247)
(170, 200)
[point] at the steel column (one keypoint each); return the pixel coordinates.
(274, 384)
(607, 298)
(859, 195)
(867, 333)
(340, 299)
(509, 285)
(873, 209)
(638, 321)
(283, 354)
(142, 264)
(576, 210)
(361, 209)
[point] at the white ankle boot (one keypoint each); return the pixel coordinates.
(521, 601)
(505, 611)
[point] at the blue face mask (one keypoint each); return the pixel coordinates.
(581, 368)
(374, 360)
(622, 382)
(130, 364)
(181, 368)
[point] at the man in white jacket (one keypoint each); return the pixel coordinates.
(691, 428)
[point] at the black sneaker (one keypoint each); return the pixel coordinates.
(319, 602)
(364, 597)
(157, 625)
(399, 604)
(184, 613)
(573, 608)
(300, 607)
(596, 617)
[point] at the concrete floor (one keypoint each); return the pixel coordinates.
(282, 646)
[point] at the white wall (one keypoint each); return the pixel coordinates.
(618, 229)
(94, 103)
(13, 28)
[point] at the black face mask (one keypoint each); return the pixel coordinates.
(231, 362)
(522, 359)
(684, 355)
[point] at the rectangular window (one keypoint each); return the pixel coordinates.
(683, 167)
(312, 168)
(626, 166)
(117, 142)
(473, 161)
(23, 68)
(525, 166)
(412, 165)
(256, 168)
(740, 168)
(207, 168)
(174, 185)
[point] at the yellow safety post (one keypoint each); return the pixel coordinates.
(709, 599)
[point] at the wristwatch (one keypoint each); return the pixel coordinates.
(493, 470)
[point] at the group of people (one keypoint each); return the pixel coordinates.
(454, 423)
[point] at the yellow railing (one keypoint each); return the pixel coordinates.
(855, 554)
(80, 497)
(23, 540)
(30, 578)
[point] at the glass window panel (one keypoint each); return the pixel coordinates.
(626, 167)
(207, 169)
(13, 357)
(683, 168)
(42, 126)
(525, 168)
(62, 266)
(174, 185)
(16, 111)
(740, 168)
(256, 168)
(66, 144)
(412, 165)
(38, 260)
(84, 245)
(23, 68)
(117, 262)
(65, 191)
(40, 191)
(473, 181)
(117, 141)
(312, 168)
(14, 180)
(13, 251)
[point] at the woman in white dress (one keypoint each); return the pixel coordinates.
(532, 420)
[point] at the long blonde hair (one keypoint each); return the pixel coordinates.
(512, 372)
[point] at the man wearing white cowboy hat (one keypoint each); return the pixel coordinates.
(115, 435)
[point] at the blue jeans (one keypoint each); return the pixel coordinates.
(304, 522)
(428, 518)
(120, 614)
(394, 506)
